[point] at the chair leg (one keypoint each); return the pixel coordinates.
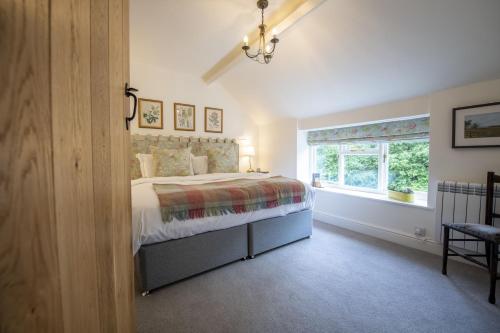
(487, 252)
(493, 270)
(445, 249)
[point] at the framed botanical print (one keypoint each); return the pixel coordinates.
(184, 117)
(213, 120)
(476, 126)
(150, 113)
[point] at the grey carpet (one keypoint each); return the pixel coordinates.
(337, 281)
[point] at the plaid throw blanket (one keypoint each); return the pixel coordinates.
(185, 202)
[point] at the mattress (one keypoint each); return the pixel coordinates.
(147, 224)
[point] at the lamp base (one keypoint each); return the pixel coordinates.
(250, 170)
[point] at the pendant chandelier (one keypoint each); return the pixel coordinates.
(266, 51)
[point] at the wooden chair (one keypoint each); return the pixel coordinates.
(486, 233)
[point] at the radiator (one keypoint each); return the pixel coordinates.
(464, 203)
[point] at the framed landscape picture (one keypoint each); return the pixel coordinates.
(476, 126)
(150, 113)
(213, 120)
(184, 117)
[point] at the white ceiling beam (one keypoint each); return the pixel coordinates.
(281, 19)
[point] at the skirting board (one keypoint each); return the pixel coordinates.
(426, 245)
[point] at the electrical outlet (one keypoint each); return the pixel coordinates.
(420, 232)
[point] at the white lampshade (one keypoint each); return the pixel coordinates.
(248, 151)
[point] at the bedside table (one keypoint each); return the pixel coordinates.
(260, 171)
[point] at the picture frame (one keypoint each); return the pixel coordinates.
(214, 120)
(150, 113)
(184, 117)
(476, 126)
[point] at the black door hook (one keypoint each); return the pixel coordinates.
(129, 92)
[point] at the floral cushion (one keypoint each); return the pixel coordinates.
(222, 159)
(172, 162)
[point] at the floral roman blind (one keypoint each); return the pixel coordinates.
(408, 129)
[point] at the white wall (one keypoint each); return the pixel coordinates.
(278, 147)
(468, 165)
(445, 163)
(172, 86)
(398, 109)
(387, 220)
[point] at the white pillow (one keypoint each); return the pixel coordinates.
(200, 164)
(146, 164)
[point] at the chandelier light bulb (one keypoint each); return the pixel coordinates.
(265, 52)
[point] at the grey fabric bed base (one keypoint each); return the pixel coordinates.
(170, 261)
(271, 233)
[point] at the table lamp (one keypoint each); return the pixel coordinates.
(248, 151)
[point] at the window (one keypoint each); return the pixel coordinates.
(362, 164)
(409, 165)
(327, 162)
(374, 167)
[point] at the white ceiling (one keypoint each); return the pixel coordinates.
(189, 35)
(345, 54)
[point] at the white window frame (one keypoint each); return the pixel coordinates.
(383, 170)
(383, 167)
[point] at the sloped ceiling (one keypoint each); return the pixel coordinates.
(189, 35)
(345, 54)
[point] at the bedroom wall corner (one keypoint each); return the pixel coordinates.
(278, 147)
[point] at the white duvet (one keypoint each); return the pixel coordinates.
(148, 227)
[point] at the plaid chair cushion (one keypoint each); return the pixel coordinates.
(482, 231)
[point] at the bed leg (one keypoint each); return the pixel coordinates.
(145, 293)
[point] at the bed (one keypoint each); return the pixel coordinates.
(183, 247)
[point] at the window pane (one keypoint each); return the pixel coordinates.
(361, 171)
(409, 166)
(327, 163)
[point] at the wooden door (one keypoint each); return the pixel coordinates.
(65, 229)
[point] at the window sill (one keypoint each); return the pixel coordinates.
(374, 196)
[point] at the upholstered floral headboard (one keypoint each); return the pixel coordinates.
(223, 153)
